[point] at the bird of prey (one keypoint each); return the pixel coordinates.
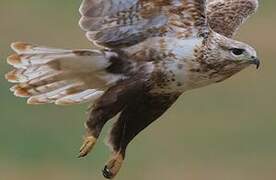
(145, 54)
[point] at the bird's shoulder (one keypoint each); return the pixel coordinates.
(162, 49)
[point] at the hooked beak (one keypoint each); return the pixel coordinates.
(256, 61)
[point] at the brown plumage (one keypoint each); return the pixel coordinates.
(225, 17)
(148, 53)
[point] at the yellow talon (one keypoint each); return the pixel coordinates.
(87, 146)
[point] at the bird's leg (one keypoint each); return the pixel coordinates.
(109, 104)
(99, 115)
(135, 117)
(114, 164)
(92, 131)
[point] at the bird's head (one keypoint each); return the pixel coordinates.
(235, 53)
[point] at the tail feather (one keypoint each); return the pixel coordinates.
(52, 96)
(33, 90)
(49, 75)
(25, 60)
(26, 48)
(25, 75)
(89, 95)
(28, 55)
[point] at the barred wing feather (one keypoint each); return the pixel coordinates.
(123, 23)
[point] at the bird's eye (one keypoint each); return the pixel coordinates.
(237, 51)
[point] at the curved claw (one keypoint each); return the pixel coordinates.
(112, 168)
(107, 173)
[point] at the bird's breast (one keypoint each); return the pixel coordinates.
(178, 72)
(178, 76)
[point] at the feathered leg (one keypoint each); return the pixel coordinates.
(107, 106)
(136, 116)
(99, 115)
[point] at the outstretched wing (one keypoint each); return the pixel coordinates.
(119, 23)
(225, 16)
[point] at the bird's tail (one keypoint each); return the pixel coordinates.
(60, 76)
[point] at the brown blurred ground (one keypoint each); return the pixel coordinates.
(222, 132)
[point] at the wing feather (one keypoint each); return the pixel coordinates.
(121, 23)
(226, 16)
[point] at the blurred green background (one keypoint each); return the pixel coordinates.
(223, 132)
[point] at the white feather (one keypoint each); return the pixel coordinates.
(85, 96)
(60, 76)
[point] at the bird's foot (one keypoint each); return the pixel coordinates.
(88, 144)
(113, 166)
